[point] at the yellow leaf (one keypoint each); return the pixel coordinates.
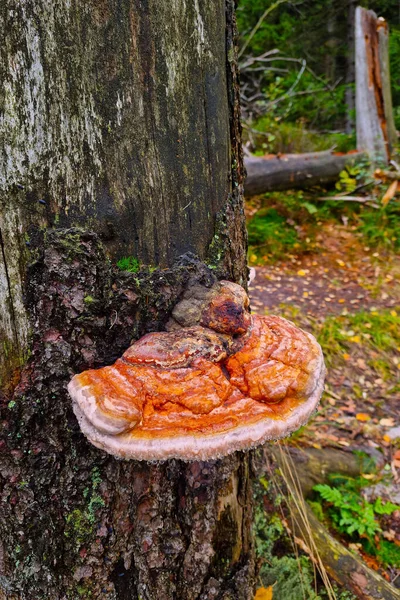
(340, 263)
(390, 192)
(363, 417)
(263, 593)
(346, 356)
(301, 272)
(342, 300)
(368, 475)
(305, 294)
(393, 313)
(355, 338)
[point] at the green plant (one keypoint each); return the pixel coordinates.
(381, 227)
(129, 263)
(270, 234)
(352, 515)
(375, 330)
(348, 179)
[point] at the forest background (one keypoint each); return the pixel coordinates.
(326, 257)
(309, 85)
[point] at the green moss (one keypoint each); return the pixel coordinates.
(89, 300)
(79, 528)
(80, 522)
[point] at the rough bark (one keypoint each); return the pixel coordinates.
(350, 66)
(384, 63)
(120, 136)
(291, 171)
(375, 125)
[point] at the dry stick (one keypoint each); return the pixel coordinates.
(297, 497)
(347, 198)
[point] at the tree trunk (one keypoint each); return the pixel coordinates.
(384, 63)
(375, 124)
(350, 66)
(120, 137)
(290, 171)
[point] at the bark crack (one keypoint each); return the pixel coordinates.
(10, 295)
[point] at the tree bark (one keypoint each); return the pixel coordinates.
(350, 66)
(375, 124)
(291, 171)
(120, 137)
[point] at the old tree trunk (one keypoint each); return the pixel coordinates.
(119, 137)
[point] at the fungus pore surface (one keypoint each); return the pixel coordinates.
(218, 380)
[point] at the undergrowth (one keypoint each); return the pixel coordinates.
(292, 576)
(272, 136)
(378, 330)
(288, 223)
(349, 513)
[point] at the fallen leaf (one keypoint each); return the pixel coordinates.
(355, 338)
(397, 455)
(389, 422)
(264, 593)
(302, 273)
(387, 439)
(363, 417)
(390, 192)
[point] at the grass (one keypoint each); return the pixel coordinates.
(270, 136)
(271, 235)
(381, 227)
(291, 574)
(378, 330)
(287, 219)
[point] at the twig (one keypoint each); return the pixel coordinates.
(347, 198)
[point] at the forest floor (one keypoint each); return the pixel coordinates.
(330, 280)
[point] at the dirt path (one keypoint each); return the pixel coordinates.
(360, 406)
(343, 275)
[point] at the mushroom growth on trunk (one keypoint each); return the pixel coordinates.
(218, 380)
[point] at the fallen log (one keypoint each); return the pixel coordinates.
(314, 465)
(289, 171)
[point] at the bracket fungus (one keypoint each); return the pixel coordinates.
(218, 380)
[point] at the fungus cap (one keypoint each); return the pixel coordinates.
(197, 393)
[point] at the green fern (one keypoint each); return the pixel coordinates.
(351, 514)
(384, 509)
(330, 494)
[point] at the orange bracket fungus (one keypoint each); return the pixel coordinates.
(218, 380)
